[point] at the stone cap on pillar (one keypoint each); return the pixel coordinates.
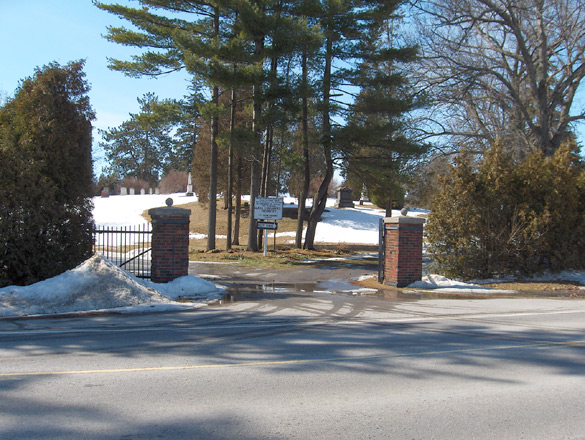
(169, 211)
(403, 220)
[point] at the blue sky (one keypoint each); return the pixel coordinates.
(37, 32)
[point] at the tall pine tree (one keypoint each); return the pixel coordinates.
(375, 146)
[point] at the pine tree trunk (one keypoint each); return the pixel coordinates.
(236, 239)
(307, 177)
(213, 171)
(213, 177)
(320, 199)
(255, 165)
(231, 172)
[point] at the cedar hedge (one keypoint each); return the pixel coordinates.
(45, 176)
(502, 217)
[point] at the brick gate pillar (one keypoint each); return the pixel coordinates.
(403, 250)
(170, 242)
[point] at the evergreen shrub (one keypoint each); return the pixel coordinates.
(45, 176)
(501, 217)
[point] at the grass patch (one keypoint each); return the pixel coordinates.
(281, 257)
(551, 286)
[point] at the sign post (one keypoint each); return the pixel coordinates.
(267, 208)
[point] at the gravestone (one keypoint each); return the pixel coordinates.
(189, 186)
(364, 198)
(150, 191)
(123, 191)
(132, 191)
(142, 191)
(105, 193)
(344, 199)
(157, 191)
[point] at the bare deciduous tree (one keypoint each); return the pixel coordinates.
(507, 69)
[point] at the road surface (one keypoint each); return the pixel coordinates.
(287, 363)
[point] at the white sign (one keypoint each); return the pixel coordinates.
(268, 208)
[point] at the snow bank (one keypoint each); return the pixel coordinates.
(188, 288)
(443, 284)
(97, 284)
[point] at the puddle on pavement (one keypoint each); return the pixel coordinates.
(241, 292)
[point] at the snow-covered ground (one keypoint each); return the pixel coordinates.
(98, 285)
(350, 225)
(118, 211)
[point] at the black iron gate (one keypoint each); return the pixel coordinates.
(381, 251)
(128, 247)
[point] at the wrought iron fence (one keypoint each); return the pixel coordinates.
(381, 251)
(128, 247)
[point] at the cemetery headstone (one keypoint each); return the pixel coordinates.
(364, 197)
(344, 198)
(189, 186)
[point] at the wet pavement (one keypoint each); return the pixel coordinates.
(299, 281)
(336, 277)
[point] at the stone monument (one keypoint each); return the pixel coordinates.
(364, 196)
(344, 199)
(189, 186)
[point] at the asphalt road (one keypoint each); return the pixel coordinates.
(287, 363)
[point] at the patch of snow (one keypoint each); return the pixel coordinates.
(364, 291)
(577, 276)
(444, 284)
(197, 236)
(358, 225)
(97, 284)
(188, 287)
